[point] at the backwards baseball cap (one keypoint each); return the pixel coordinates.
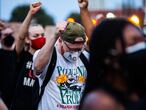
(73, 30)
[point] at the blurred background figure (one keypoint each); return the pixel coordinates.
(87, 20)
(100, 100)
(117, 63)
(7, 39)
(7, 64)
(2, 105)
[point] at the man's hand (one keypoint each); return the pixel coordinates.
(86, 18)
(34, 8)
(83, 4)
(60, 27)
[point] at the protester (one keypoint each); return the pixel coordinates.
(100, 100)
(85, 17)
(32, 37)
(116, 66)
(67, 82)
(7, 64)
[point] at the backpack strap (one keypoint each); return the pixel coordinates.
(48, 75)
(84, 60)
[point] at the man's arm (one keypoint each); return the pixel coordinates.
(45, 54)
(85, 17)
(23, 32)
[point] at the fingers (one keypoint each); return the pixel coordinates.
(80, 1)
(38, 4)
(61, 26)
(35, 7)
(83, 3)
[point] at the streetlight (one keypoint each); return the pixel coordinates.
(71, 20)
(110, 15)
(135, 20)
(94, 22)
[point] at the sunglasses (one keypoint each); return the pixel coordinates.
(73, 49)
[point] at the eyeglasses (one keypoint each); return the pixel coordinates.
(73, 49)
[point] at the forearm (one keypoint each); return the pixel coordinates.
(44, 56)
(25, 26)
(23, 32)
(87, 22)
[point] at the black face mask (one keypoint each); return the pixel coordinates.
(131, 66)
(135, 66)
(8, 40)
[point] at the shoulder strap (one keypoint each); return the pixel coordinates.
(84, 60)
(48, 74)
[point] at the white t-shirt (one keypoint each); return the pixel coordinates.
(65, 88)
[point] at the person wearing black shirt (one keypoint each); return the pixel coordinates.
(34, 36)
(117, 64)
(7, 65)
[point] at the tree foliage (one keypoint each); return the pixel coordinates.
(75, 16)
(20, 12)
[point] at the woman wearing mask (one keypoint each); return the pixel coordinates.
(117, 61)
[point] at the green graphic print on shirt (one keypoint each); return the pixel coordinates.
(71, 83)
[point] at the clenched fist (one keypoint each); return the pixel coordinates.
(34, 8)
(83, 4)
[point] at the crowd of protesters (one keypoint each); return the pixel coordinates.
(77, 66)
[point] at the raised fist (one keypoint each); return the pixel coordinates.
(34, 8)
(83, 4)
(60, 27)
